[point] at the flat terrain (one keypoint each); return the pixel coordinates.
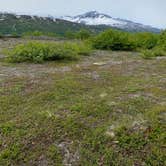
(103, 110)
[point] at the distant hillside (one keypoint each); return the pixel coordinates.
(18, 24)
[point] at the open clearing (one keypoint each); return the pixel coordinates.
(105, 109)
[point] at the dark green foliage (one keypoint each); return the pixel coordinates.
(114, 40)
(1, 35)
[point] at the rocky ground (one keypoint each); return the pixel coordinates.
(105, 109)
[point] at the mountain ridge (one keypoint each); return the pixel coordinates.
(96, 18)
(20, 23)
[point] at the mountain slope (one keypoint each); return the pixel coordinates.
(93, 21)
(12, 23)
(96, 18)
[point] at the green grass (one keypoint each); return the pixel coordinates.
(68, 117)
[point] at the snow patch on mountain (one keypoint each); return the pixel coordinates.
(95, 18)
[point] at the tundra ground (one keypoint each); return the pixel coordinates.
(105, 109)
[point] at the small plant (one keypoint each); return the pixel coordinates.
(10, 153)
(147, 54)
(83, 48)
(83, 34)
(158, 51)
(55, 155)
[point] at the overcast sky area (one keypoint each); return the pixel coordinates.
(150, 12)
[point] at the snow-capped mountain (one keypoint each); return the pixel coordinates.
(96, 18)
(96, 22)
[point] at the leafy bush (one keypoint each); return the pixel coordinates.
(149, 54)
(146, 40)
(162, 39)
(159, 51)
(39, 52)
(114, 40)
(84, 48)
(83, 34)
(70, 35)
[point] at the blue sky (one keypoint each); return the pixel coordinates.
(150, 12)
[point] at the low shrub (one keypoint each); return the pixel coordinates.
(159, 51)
(84, 48)
(114, 40)
(70, 35)
(162, 39)
(39, 52)
(146, 40)
(82, 34)
(149, 54)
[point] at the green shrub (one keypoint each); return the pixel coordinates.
(83, 48)
(83, 34)
(162, 39)
(146, 40)
(114, 40)
(70, 35)
(39, 52)
(159, 51)
(10, 153)
(147, 54)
